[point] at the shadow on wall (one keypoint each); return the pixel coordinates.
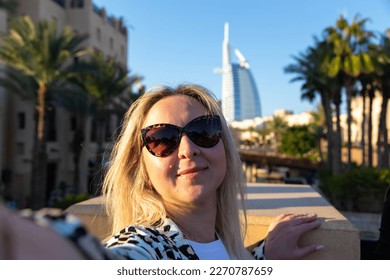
(276, 203)
(278, 189)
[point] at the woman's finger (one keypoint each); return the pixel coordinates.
(303, 218)
(307, 250)
(307, 226)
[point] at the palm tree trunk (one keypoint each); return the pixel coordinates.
(370, 151)
(325, 100)
(337, 143)
(363, 141)
(100, 122)
(78, 140)
(382, 144)
(39, 161)
(348, 91)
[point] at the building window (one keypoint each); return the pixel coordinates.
(77, 4)
(98, 34)
(20, 148)
(122, 51)
(21, 120)
(111, 43)
(73, 123)
(59, 2)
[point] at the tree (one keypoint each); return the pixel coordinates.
(78, 104)
(43, 54)
(350, 58)
(318, 128)
(383, 142)
(370, 83)
(277, 126)
(18, 83)
(298, 141)
(309, 70)
(106, 82)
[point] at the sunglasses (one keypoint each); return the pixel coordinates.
(162, 139)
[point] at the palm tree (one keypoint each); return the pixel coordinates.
(318, 128)
(350, 58)
(18, 83)
(365, 87)
(105, 83)
(78, 104)
(309, 69)
(370, 83)
(382, 142)
(121, 104)
(277, 126)
(41, 53)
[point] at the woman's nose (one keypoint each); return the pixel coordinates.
(187, 148)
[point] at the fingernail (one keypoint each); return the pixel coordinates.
(320, 247)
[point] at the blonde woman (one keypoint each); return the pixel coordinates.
(175, 187)
(176, 169)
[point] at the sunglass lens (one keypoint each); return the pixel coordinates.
(205, 132)
(162, 140)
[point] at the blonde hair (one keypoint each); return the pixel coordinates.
(131, 201)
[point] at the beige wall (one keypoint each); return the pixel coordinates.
(357, 111)
(42, 9)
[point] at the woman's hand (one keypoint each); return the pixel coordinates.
(22, 239)
(284, 233)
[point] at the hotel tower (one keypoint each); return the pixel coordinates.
(240, 98)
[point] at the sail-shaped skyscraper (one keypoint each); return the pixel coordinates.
(240, 98)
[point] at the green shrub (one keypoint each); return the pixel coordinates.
(359, 190)
(69, 200)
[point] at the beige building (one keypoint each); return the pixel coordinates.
(304, 118)
(106, 34)
(291, 119)
(357, 124)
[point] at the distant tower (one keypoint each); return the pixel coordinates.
(240, 98)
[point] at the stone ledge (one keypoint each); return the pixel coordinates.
(265, 201)
(91, 212)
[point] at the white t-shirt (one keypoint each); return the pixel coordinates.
(214, 250)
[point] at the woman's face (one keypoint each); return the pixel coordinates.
(190, 175)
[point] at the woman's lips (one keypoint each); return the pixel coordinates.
(191, 172)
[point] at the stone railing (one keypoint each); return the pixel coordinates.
(266, 201)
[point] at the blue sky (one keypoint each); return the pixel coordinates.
(176, 41)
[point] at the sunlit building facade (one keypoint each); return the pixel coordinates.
(108, 35)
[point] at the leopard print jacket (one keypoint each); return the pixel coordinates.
(134, 242)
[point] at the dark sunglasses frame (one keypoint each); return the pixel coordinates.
(178, 133)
